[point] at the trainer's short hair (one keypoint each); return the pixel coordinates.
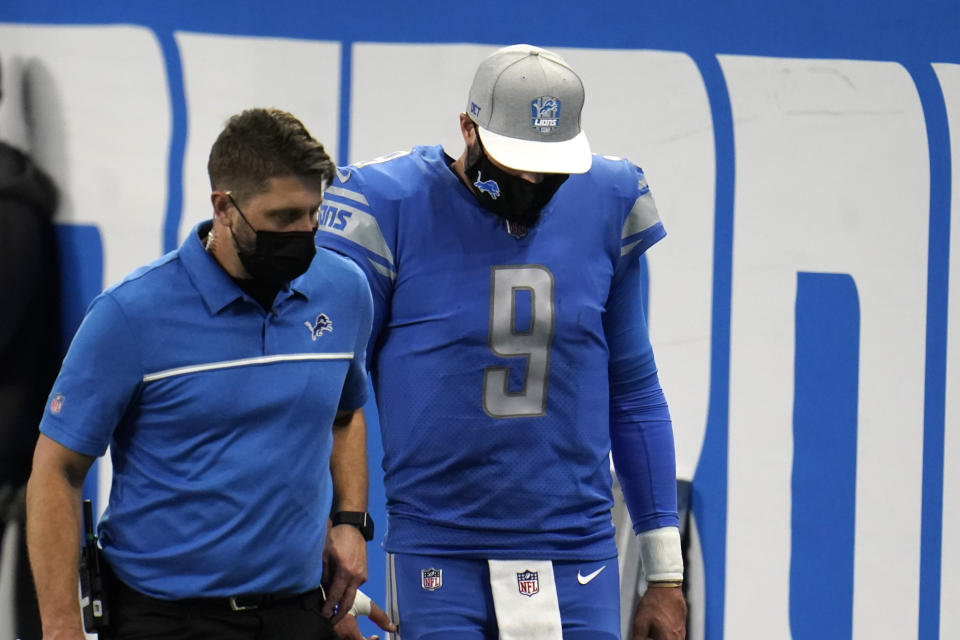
(259, 144)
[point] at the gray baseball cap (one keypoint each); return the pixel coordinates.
(526, 102)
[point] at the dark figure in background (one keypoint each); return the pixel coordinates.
(29, 344)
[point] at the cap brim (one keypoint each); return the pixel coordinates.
(568, 156)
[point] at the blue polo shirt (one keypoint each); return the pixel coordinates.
(218, 416)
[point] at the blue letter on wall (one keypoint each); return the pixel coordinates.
(824, 456)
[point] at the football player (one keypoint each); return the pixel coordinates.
(509, 356)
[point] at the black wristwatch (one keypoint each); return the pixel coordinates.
(359, 519)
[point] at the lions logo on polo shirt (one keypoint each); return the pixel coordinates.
(321, 324)
(545, 112)
(528, 582)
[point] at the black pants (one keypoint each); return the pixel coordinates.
(135, 616)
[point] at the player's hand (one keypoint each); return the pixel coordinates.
(347, 628)
(661, 614)
(344, 569)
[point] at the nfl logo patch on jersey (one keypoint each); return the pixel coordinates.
(431, 579)
(528, 582)
(545, 112)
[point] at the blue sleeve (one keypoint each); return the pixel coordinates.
(351, 226)
(641, 432)
(355, 387)
(100, 378)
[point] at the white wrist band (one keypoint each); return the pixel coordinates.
(661, 554)
(361, 605)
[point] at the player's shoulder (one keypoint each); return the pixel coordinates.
(619, 174)
(614, 184)
(392, 176)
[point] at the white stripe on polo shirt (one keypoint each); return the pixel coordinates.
(244, 362)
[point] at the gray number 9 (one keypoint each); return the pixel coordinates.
(507, 342)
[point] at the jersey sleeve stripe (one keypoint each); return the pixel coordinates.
(363, 229)
(642, 216)
(356, 196)
(243, 362)
(382, 270)
(645, 239)
(627, 248)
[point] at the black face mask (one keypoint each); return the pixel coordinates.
(509, 196)
(277, 257)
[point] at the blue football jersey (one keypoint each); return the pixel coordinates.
(489, 352)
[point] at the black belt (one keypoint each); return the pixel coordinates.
(310, 600)
(313, 599)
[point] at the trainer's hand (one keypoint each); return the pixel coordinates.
(661, 614)
(69, 632)
(344, 569)
(347, 628)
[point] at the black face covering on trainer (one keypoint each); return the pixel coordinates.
(277, 257)
(511, 197)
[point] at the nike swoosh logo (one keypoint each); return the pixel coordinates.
(584, 579)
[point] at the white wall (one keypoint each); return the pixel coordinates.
(831, 175)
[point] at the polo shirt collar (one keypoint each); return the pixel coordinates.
(298, 285)
(215, 285)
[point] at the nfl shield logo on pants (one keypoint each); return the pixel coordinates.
(431, 579)
(528, 582)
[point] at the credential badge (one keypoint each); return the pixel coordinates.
(321, 324)
(528, 582)
(545, 113)
(431, 579)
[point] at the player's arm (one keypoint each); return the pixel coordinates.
(357, 224)
(640, 427)
(641, 431)
(641, 435)
(53, 534)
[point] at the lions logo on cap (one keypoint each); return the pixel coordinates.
(545, 112)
